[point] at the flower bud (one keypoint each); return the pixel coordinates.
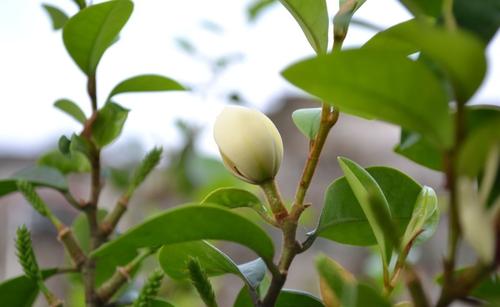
(249, 143)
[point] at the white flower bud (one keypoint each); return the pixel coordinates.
(249, 143)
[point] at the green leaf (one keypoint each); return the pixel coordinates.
(376, 84)
(71, 108)
(73, 163)
(104, 269)
(484, 136)
(465, 67)
(57, 16)
(415, 147)
(425, 217)
(475, 149)
(307, 120)
(480, 17)
(21, 291)
(257, 7)
(343, 220)
(346, 291)
(109, 123)
(79, 145)
(372, 200)
(428, 7)
(89, 33)
(64, 145)
(232, 198)
(38, 176)
(173, 260)
(146, 83)
(190, 223)
(337, 285)
(286, 298)
(418, 149)
(312, 17)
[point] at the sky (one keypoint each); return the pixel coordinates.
(35, 69)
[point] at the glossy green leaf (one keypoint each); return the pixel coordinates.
(286, 298)
(57, 16)
(343, 220)
(146, 83)
(465, 67)
(372, 200)
(480, 17)
(109, 123)
(312, 17)
(42, 176)
(90, 32)
(72, 163)
(418, 149)
(190, 223)
(425, 217)
(307, 120)
(475, 149)
(173, 260)
(71, 108)
(21, 291)
(428, 7)
(415, 147)
(232, 198)
(377, 84)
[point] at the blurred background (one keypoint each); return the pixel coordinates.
(226, 51)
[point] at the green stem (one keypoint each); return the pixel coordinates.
(275, 201)
(120, 277)
(108, 225)
(449, 18)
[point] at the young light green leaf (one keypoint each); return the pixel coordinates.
(109, 123)
(377, 84)
(286, 298)
(307, 120)
(423, 217)
(365, 188)
(38, 176)
(465, 68)
(71, 108)
(75, 162)
(337, 285)
(257, 7)
(312, 17)
(146, 83)
(173, 259)
(189, 223)
(343, 219)
(57, 16)
(90, 32)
